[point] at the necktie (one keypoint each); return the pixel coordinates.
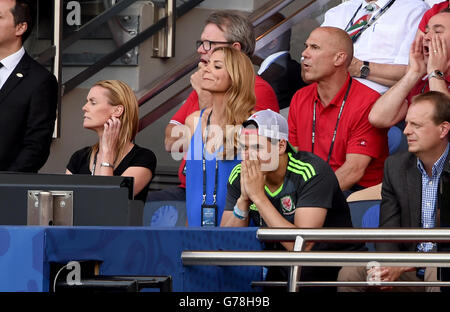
(359, 24)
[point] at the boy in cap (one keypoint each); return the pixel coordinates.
(276, 186)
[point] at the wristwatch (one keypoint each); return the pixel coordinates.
(436, 74)
(106, 164)
(365, 70)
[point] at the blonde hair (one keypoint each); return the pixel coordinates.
(240, 96)
(119, 93)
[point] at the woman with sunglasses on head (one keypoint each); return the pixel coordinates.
(230, 78)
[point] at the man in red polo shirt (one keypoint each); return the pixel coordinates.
(222, 28)
(330, 116)
(428, 69)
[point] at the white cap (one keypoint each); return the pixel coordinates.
(270, 124)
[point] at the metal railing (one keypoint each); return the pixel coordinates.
(355, 235)
(58, 45)
(299, 258)
(127, 46)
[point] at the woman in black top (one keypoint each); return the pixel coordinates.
(112, 111)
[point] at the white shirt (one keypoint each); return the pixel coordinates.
(388, 40)
(9, 63)
(433, 2)
(269, 60)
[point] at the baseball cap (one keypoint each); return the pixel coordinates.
(271, 125)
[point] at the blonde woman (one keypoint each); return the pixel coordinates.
(111, 110)
(230, 78)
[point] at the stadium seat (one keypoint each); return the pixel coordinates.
(365, 209)
(365, 213)
(164, 213)
(396, 140)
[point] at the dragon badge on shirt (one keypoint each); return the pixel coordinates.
(287, 204)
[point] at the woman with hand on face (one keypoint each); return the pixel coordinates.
(111, 110)
(230, 78)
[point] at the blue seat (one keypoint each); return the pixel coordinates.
(164, 213)
(371, 218)
(396, 140)
(365, 214)
(358, 210)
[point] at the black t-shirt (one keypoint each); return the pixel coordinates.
(309, 182)
(137, 157)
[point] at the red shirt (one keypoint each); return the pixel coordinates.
(354, 134)
(438, 7)
(422, 86)
(265, 99)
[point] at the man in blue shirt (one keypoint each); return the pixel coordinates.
(410, 191)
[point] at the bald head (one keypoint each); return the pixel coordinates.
(339, 41)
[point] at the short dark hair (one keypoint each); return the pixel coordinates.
(23, 13)
(441, 103)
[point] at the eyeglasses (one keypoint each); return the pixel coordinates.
(207, 44)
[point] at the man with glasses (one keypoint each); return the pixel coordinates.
(222, 28)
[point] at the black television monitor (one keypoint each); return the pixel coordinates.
(94, 200)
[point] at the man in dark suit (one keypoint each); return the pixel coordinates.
(276, 65)
(28, 94)
(411, 195)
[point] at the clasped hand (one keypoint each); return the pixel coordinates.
(252, 180)
(385, 274)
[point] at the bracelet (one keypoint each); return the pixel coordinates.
(106, 164)
(238, 213)
(238, 216)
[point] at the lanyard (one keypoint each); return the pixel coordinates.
(371, 21)
(337, 122)
(204, 166)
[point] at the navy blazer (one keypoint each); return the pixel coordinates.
(28, 102)
(401, 204)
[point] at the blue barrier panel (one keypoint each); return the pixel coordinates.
(26, 253)
(22, 259)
